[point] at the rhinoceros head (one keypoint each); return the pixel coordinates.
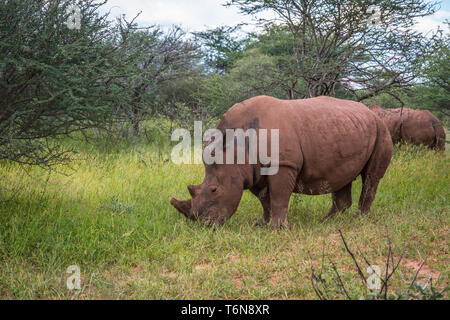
(217, 198)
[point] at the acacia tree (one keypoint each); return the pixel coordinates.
(55, 80)
(165, 59)
(338, 44)
(221, 47)
(277, 42)
(435, 91)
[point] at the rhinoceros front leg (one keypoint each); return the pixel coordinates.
(281, 186)
(264, 198)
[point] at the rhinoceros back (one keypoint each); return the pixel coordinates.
(328, 140)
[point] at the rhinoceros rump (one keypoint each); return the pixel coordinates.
(324, 144)
(419, 127)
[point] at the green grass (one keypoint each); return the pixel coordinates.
(112, 217)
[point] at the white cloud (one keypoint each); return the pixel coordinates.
(431, 23)
(195, 15)
(191, 14)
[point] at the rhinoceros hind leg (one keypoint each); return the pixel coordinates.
(375, 168)
(368, 192)
(342, 200)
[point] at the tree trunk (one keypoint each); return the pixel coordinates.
(136, 121)
(290, 90)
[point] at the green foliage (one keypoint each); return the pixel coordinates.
(437, 70)
(215, 95)
(176, 100)
(221, 47)
(334, 44)
(53, 80)
(254, 74)
(166, 69)
(434, 93)
(279, 43)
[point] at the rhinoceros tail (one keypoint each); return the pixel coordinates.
(439, 136)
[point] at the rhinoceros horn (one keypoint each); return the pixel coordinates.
(194, 190)
(183, 206)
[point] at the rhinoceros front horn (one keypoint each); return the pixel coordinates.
(183, 207)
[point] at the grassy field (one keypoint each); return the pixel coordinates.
(112, 218)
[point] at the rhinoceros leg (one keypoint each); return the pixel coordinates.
(264, 198)
(281, 186)
(375, 168)
(440, 136)
(371, 176)
(342, 200)
(369, 189)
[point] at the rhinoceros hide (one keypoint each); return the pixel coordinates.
(324, 145)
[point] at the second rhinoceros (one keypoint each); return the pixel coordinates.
(416, 126)
(324, 145)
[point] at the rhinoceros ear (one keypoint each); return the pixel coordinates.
(194, 190)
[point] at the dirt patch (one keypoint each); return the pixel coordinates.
(171, 275)
(278, 277)
(231, 257)
(90, 292)
(123, 278)
(6, 296)
(237, 280)
(136, 271)
(425, 271)
(204, 265)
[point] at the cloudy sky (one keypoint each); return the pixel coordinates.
(196, 15)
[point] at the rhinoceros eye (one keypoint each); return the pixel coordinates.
(213, 189)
